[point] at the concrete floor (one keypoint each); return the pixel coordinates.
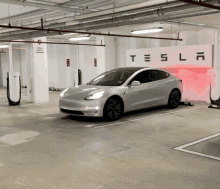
(41, 148)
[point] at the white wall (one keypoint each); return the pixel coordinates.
(110, 53)
(5, 63)
(61, 76)
(5, 66)
(23, 66)
(189, 38)
(73, 64)
(16, 59)
(86, 63)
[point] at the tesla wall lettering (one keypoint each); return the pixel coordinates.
(132, 57)
(147, 57)
(164, 57)
(200, 55)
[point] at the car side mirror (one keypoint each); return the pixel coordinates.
(135, 83)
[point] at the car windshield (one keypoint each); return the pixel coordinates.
(112, 78)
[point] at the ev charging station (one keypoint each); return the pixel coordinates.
(13, 88)
(13, 83)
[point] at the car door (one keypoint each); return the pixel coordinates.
(140, 96)
(161, 86)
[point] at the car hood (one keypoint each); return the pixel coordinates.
(82, 91)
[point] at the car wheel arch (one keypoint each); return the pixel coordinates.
(118, 97)
(172, 91)
(178, 90)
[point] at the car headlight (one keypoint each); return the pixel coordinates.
(63, 93)
(95, 95)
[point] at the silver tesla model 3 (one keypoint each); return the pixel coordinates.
(121, 90)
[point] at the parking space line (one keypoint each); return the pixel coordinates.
(199, 154)
(197, 141)
(89, 125)
(146, 117)
(180, 148)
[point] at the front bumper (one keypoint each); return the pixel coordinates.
(88, 108)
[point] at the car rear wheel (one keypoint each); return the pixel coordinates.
(113, 109)
(174, 98)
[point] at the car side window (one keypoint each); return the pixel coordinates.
(164, 75)
(142, 77)
(157, 75)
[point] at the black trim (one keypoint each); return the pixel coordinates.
(72, 112)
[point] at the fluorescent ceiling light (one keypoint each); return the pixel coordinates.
(3, 46)
(79, 38)
(194, 23)
(153, 30)
(70, 33)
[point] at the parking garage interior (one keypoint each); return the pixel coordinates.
(154, 148)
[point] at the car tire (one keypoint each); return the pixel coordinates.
(113, 109)
(174, 99)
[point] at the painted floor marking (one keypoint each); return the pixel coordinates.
(18, 138)
(89, 125)
(145, 117)
(180, 148)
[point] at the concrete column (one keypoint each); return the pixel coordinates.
(1, 73)
(215, 92)
(29, 66)
(36, 59)
(73, 64)
(10, 58)
(100, 56)
(110, 53)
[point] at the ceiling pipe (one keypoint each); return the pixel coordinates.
(43, 6)
(105, 11)
(189, 24)
(109, 15)
(69, 20)
(76, 18)
(99, 17)
(7, 41)
(112, 25)
(124, 18)
(128, 18)
(34, 13)
(26, 16)
(147, 21)
(201, 4)
(78, 2)
(144, 20)
(61, 4)
(91, 33)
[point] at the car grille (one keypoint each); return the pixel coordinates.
(72, 112)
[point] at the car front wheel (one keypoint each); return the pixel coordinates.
(113, 109)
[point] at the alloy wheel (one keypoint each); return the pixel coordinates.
(113, 109)
(174, 99)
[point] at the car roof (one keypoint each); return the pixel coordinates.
(135, 69)
(130, 68)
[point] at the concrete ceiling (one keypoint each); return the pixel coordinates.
(93, 8)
